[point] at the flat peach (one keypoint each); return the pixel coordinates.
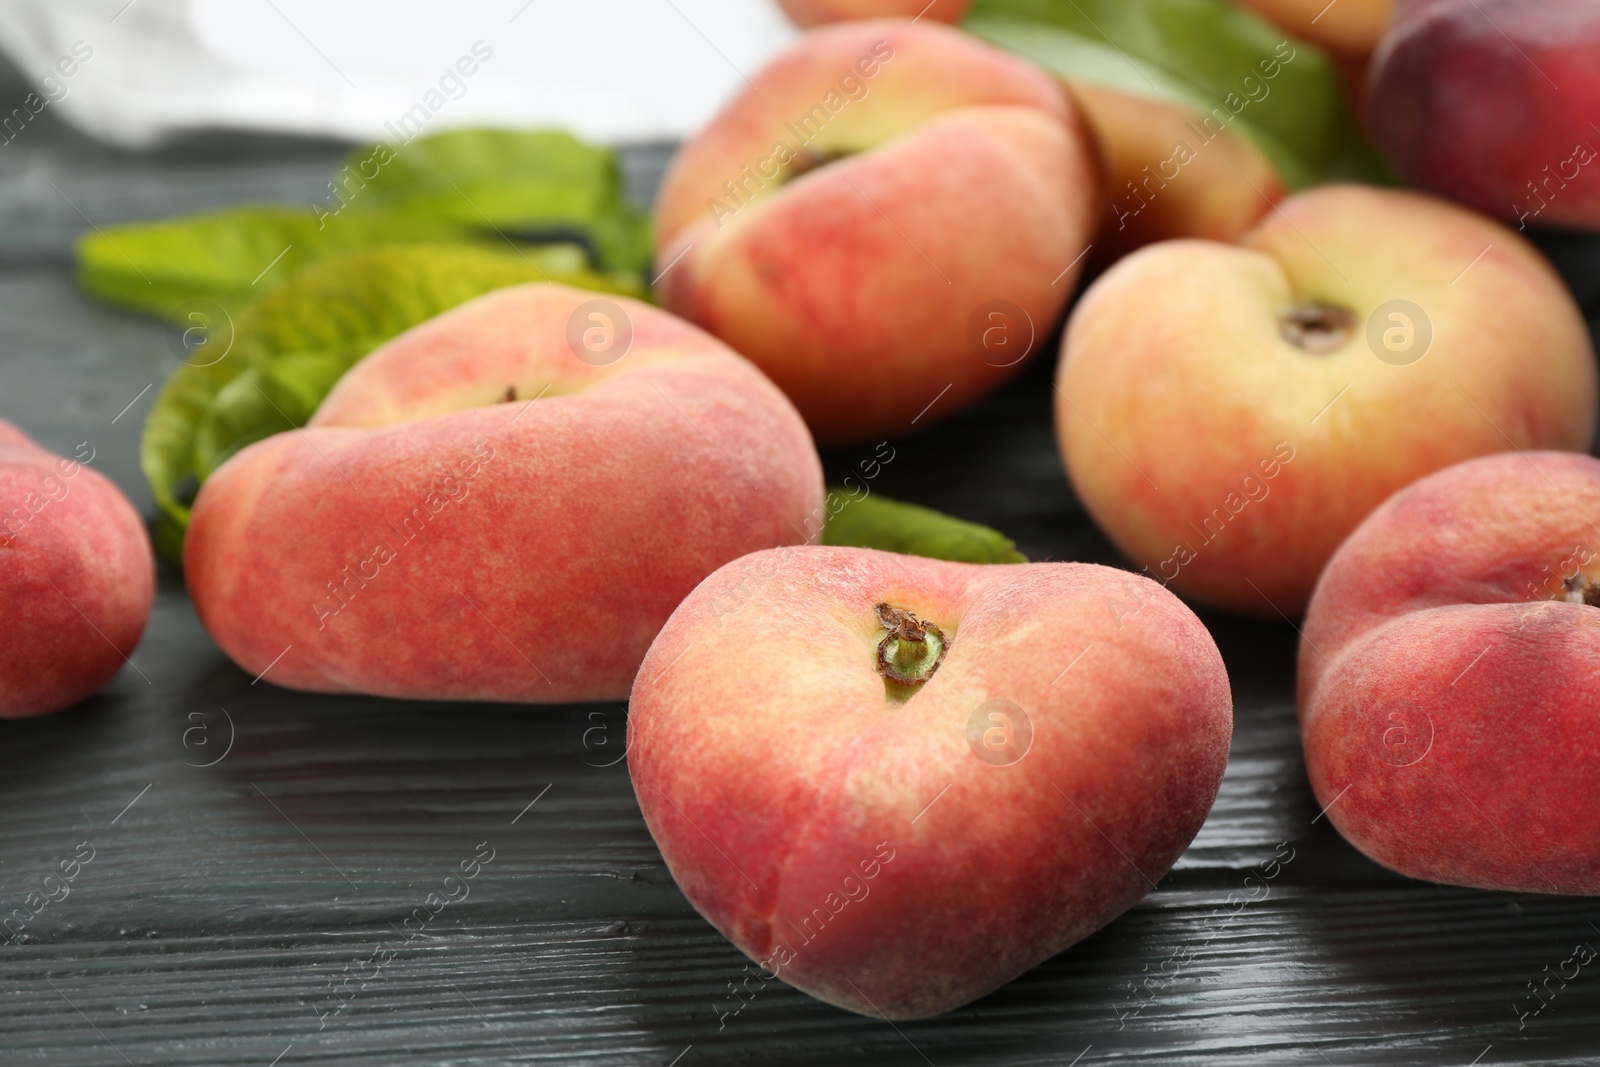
(901, 855)
(488, 508)
(1229, 413)
(1447, 677)
(885, 222)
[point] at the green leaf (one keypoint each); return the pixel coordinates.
(517, 182)
(875, 521)
(230, 257)
(166, 448)
(1197, 54)
(503, 189)
(289, 347)
(268, 398)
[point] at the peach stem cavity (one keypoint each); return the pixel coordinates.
(809, 159)
(1317, 328)
(910, 651)
(1581, 589)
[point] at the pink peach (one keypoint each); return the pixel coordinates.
(77, 577)
(902, 850)
(1229, 413)
(1448, 672)
(503, 503)
(885, 222)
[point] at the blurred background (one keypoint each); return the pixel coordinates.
(605, 69)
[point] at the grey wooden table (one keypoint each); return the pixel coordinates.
(254, 851)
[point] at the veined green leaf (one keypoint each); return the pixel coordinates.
(543, 194)
(522, 183)
(230, 257)
(874, 521)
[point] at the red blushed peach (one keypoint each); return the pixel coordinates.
(862, 219)
(1229, 413)
(1495, 103)
(980, 765)
(77, 577)
(817, 12)
(504, 503)
(1448, 672)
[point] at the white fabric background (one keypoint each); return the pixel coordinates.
(609, 70)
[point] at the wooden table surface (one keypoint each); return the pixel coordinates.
(253, 851)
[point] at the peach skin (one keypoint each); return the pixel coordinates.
(1348, 28)
(1495, 103)
(1229, 413)
(817, 12)
(980, 766)
(884, 222)
(77, 577)
(503, 503)
(1447, 674)
(1224, 187)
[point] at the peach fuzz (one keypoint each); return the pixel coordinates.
(1447, 677)
(845, 221)
(904, 858)
(77, 577)
(476, 513)
(1228, 414)
(1349, 27)
(817, 12)
(1495, 103)
(1214, 189)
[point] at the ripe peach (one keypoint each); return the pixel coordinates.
(1056, 743)
(1228, 414)
(77, 577)
(816, 12)
(503, 503)
(1447, 674)
(1172, 172)
(1494, 103)
(854, 221)
(1348, 27)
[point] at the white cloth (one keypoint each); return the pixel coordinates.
(608, 70)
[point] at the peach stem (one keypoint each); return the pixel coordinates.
(1581, 589)
(911, 651)
(1317, 328)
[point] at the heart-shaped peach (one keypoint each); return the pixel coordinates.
(897, 783)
